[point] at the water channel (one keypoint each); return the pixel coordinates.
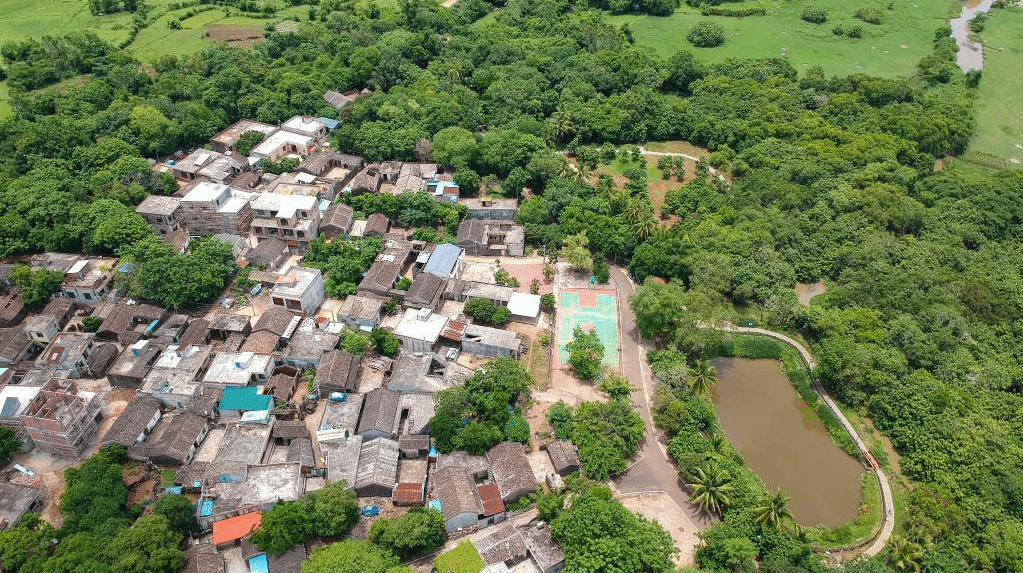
(971, 54)
(785, 443)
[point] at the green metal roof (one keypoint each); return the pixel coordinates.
(236, 398)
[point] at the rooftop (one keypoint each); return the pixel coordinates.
(310, 341)
(237, 368)
(244, 398)
(421, 324)
(133, 421)
(426, 290)
(303, 124)
(232, 322)
(243, 443)
(379, 411)
(342, 459)
(232, 133)
(158, 205)
(522, 304)
(503, 545)
(456, 489)
(340, 418)
(443, 260)
(511, 469)
(284, 206)
(276, 140)
(176, 434)
(541, 546)
(15, 501)
(490, 496)
(14, 399)
(66, 348)
(418, 371)
(275, 319)
(235, 528)
(495, 337)
(295, 282)
(410, 493)
(338, 371)
(360, 307)
(378, 464)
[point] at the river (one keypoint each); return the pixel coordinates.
(971, 54)
(785, 443)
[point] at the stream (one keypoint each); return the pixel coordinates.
(971, 54)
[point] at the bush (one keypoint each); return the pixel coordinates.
(978, 22)
(91, 323)
(420, 530)
(706, 34)
(560, 418)
(870, 14)
(548, 302)
(815, 14)
(174, 24)
(354, 341)
(385, 342)
(855, 32)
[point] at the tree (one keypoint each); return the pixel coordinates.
(418, 531)
(706, 34)
(403, 283)
(150, 545)
(576, 251)
(333, 509)
(486, 312)
(548, 302)
(607, 435)
(350, 556)
(659, 308)
(559, 416)
(247, 141)
(616, 387)
(8, 442)
(36, 285)
(710, 487)
(385, 341)
(179, 513)
(702, 378)
(91, 323)
(354, 341)
(585, 353)
(285, 525)
(454, 146)
(26, 546)
(903, 554)
(773, 510)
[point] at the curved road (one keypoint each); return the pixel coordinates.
(654, 472)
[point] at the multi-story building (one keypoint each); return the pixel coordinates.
(63, 423)
(294, 219)
(212, 208)
(299, 289)
(161, 213)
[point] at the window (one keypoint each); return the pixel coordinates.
(86, 296)
(300, 234)
(305, 214)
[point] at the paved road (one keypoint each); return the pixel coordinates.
(653, 472)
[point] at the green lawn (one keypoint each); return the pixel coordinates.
(999, 109)
(462, 559)
(5, 104)
(890, 49)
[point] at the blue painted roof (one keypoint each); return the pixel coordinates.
(236, 398)
(443, 259)
(206, 509)
(258, 564)
(435, 504)
(330, 123)
(324, 204)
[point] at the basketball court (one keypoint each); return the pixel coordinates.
(591, 310)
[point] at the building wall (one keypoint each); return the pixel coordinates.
(414, 344)
(461, 520)
(70, 441)
(163, 224)
(483, 349)
(313, 297)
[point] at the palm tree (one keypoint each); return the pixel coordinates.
(904, 555)
(773, 510)
(703, 378)
(710, 488)
(561, 124)
(644, 227)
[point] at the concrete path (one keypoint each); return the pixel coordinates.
(887, 505)
(653, 472)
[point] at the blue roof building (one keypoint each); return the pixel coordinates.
(446, 261)
(237, 400)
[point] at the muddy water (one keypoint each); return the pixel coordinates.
(970, 55)
(806, 291)
(785, 443)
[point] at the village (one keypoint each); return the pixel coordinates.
(251, 400)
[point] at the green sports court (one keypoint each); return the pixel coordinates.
(588, 309)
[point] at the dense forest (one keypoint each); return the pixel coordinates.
(830, 178)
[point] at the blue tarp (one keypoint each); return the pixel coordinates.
(435, 504)
(206, 509)
(259, 564)
(173, 489)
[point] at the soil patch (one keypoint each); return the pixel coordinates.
(656, 506)
(235, 35)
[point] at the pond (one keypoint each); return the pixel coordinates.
(971, 54)
(785, 443)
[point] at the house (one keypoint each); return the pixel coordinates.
(379, 414)
(331, 165)
(447, 261)
(14, 401)
(15, 346)
(261, 489)
(197, 332)
(380, 277)
(418, 372)
(170, 330)
(53, 318)
(12, 309)
(212, 208)
(244, 444)
(493, 506)
(459, 500)
(337, 221)
(366, 181)
(17, 500)
(88, 280)
(100, 359)
(542, 549)
(360, 312)
(287, 430)
(213, 165)
(419, 329)
(282, 384)
(524, 308)
(161, 213)
(299, 289)
(511, 470)
(377, 472)
(426, 291)
(337, 99)
(414, 446)
(238, 369)
(179, 240)
(477, 466)
(300, 451)
(225, 141)
(238, 400)
(490, 342)
(203, 558)
(338, 424)
(564, 457)
(282, 144)
(124, 322)
(503, 545)
(174, 441)
(68, 351)
(175, 375)
(230, 531)
(204, 402)
(268, 254)
(239, 244)
(306, 125)
(307, 345)
(135, 422)
(63, 423)
(338, 372)
(270, 329)
(414, 413)
(491, 238)
(407, 183)
(443, 191)
(493, 209)
(294, 219)
(408, 494)
(377, 225)
(223, 325)
(465, 290)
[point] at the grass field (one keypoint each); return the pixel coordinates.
(890, 49)
(20, 19)
(999, 109)
(5, 104)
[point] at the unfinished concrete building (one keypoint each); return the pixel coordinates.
(62, 423)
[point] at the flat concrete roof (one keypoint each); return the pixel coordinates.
(304, 277)
(421, 324)
(265, 484)
(244, 443)
(237, 368)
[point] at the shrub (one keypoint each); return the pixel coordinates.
(548, 302)
(978, 22)
(815, 14)
(706, 34)
(855, 32)
(91, 323)
(870, 14)
(174, 24)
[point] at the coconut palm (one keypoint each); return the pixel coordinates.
(903, 554)
(644, 227)
(561, 124)
(703, 378)
(710, 489)
(773, 510)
